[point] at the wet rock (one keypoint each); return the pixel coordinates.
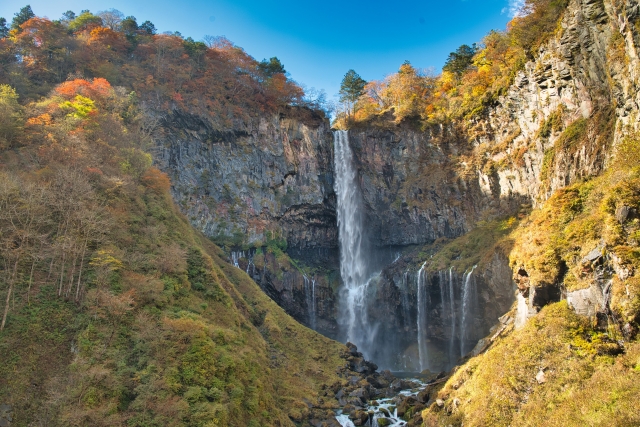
(400, 384)
(353, 350)
(354, 401)
(406, 404)
(347, 409)
(362, 366)
(423, 395)
(377, 381)
(359, 417)
(383, 422)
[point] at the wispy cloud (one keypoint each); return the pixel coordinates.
(514, 8)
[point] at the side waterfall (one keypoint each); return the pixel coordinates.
(469, 302)
(352, 315)
(310, 297)
(423, 305)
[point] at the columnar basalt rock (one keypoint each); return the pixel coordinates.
(272, 178)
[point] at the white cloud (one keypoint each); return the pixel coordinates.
(514, 8)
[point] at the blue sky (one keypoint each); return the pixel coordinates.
(316, 41)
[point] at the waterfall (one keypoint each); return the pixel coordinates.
(250, 263)
(404, 293)
(235, 257)
(444, 311)
(310, 298)
(313, 303)
(352, 314)
(422, 318)
(469, 297)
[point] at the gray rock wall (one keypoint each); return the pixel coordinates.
(273, 178)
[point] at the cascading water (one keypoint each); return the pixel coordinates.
(352, 315)
(404, 295)
(422, 318)
(313, 303)
(469, 301)
(310, 297)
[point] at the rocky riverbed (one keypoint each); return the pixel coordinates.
(366, 397)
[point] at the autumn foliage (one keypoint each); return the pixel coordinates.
(167, 71)
(463, 89)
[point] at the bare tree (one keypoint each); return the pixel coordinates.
(22, 217)
(111, 18)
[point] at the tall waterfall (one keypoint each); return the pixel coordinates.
(352, 315)
(423, 305)
(469, 303)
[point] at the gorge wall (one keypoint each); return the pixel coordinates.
(254, 188)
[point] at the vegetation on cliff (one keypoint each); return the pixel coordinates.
(472, 79)
(214, 78)
(115, 311)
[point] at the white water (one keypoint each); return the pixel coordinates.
(423, 304)
(352, 314)
(313, 303)
(385, 408)
(406, 310)
(467, 295)
(310, 297)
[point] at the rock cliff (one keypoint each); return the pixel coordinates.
(559, 122)
(271, 179)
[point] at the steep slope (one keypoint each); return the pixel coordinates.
(117, 311)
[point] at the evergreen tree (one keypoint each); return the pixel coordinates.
(21, 17)
(4, 30)
(459, 61)
(147, 27)
(271, 67)
(350, 90)
(68, 16)
(129, 25)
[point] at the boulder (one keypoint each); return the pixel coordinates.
(406, 404)
(361, 393)
(359, 417)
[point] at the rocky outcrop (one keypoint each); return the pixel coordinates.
(584, 80)
(271, 179)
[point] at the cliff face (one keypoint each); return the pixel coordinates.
(411, 191)
(583, 83)
(271, 179)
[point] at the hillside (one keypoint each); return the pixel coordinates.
(117, 311)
